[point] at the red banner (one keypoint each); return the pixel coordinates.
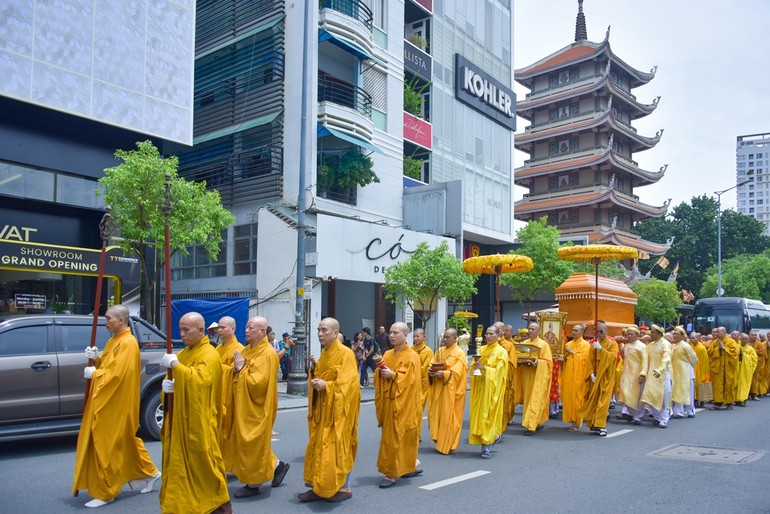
(418, 131)
(425, 4)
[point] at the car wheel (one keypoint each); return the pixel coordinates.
(151, 416)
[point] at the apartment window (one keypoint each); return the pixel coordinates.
(741, 165)
(741, 157)
(751, 156)
(199, 264)
(245, 249)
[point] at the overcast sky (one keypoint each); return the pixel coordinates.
(712, 59)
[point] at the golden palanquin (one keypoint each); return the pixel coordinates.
(577, 297)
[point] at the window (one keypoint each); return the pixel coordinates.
(198, 263)
(74, 337)
(245, 250)
(26, 341)
(741, 165)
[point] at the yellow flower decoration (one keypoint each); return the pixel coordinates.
(497, 263)
(588, 253)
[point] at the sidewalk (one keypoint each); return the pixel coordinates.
(291, 401)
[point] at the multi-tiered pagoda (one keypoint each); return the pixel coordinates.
(581, 142)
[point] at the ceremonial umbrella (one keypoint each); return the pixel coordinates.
(596, 254)
(497, 264)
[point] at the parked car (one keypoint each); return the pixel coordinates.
(41, 373)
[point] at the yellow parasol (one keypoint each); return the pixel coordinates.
(465, 314)
(497, 264)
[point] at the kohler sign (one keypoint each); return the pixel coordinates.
(477, 89)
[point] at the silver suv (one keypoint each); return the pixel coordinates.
(41, 374)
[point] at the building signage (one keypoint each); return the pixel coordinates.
(477, 89)
(417, 61)
(418, 131)
(426, 4)
(367, 249)
(30, 301)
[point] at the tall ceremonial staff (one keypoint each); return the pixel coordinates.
(169, 407)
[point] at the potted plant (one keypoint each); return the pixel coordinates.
(413, 97)
(413, 167)
(418, 41)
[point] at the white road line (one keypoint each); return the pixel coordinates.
(450, 481)
(425, 417)
(619, 432)
(699, 409)
(274, 439)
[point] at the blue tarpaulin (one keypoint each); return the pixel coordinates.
(212, 309)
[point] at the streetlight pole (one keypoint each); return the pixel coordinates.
(720, 291)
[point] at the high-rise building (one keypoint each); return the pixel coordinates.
(581, 173)
(752, 165)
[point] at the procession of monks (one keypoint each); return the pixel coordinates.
(225, 401)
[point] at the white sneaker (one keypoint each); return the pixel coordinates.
(98, 503)
(150, 483)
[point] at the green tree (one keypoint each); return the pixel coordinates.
(656, 300)
(612, 269)
(135, 190)
(746, 276)
(539, 242)
(428, 274)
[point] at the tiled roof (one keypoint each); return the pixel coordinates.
(532, 205)
(572, 53)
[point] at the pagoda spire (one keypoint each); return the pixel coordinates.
(581, 32)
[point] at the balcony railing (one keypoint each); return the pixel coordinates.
(356, 9)
(328, 162)
(342, 93)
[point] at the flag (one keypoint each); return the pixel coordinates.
(674, 272)
(662, 262)
(643, 255)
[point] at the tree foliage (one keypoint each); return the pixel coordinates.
(656, 300)
(694, 226)
(135, 190)
(612, 269)
(424, 278)
(746, 276)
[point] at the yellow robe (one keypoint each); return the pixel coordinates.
(446, 399)
(225, 352)
(659, 355)
(634, 366)
(723, 365)
(398, 403)
(603, 365)
(574, 387)
(509, 403)
(194, 480)
(332, 420)
(488, 395)
(255, 405)
(683, 362)
(108, 452)
(702, 368)
(535, 384)
(426, 357)
(758, 382)
(747, 363)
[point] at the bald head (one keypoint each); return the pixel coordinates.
(449, 338)
(256, 330)
(226, 328)
(418, 336)
(397, 335)
(328, 331)
(192, 328)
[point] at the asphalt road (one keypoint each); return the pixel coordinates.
(553, 471)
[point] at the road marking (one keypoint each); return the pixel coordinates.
(274, 439)
(699, 409)
(450, 481)
(619, 432)
(425, 417)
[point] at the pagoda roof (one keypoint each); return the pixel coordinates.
(531, 205)
(649, 247)
(578, 52)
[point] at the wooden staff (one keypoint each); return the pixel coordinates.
(169, 407)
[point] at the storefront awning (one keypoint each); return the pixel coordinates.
(323, 131)
(324, 35)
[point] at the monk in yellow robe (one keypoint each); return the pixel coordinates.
(426, 357)
(657, 387)
(758, 382)
(255, 405)
(334, 400)
(228, 346)
(683, 362)
(702, 368)
(194, 478)
(446, 399)
(723, 359)
(534, 382)
(398, 403)
(574, 378)
(747, 364)
(603, 359)
(634, 373)
(488, 393)
(509, 403)
(108, 452)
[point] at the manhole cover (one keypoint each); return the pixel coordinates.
(707, 454)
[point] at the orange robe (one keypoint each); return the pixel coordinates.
(488, 395)
(332, 420)
(702, 368)
(747, 364)
(509, 403)
(723, 365)
(446, 399)
(758, 381)
(225, 352)
(535, 384)
(194, 479)
(426, 357)
(603, 365)
(574, 387)
(108, 452)
(255, 405)
(398, 402)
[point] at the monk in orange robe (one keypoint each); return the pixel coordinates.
(398, 402)
(574, 378)
(758, 382)
(534, 381)
(488, 393)
(255, 405)
(334, 400)
(509, 402)
(702, 369)
(723, 358)
(108, 452)
(446, 398)
(226, 349)
(426, 357)
(603, 359)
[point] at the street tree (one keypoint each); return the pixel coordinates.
(424, 278)
(746, 276)
(135, 191)
(540, 243)
(657, 300)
